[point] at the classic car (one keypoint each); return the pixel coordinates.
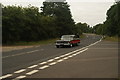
(68, 40)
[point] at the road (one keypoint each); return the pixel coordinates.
(92, 59)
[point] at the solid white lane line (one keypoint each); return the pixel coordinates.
(33, 66)
(53, 63)
(20, 54)
(19, 71)
(5, 76)
(19, 77)
(43, 67)
(32, 72)
(50, 60)
(43, 63)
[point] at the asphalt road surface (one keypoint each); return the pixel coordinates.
(92, 59)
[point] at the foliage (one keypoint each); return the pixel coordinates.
(28, 24)
(61, 12)
(111, 26)
(83, 27)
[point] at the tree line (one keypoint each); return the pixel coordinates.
(29, 24)
(111, 27)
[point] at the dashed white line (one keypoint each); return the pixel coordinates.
(32, 72)
(50, 60)
(70, 56)
(19, 71)
(74, 54)
(56, 57)
(60, 60)
(42, 63)
(83, 50)
(6, 76)
(65, 58)
(43, 67)
(33, 66)
(53, 63)
(62, 55)
(19, 77)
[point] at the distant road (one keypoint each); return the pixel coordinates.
(94, 59)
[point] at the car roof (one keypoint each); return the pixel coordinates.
(68, 35)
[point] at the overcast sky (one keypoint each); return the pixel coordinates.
(91, 12)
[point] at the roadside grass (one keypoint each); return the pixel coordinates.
(42, 42)
(82, 36)
(114, 39)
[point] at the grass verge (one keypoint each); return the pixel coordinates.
(33, 42)
(114, 38)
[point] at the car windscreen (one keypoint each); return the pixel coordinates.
(67, 37)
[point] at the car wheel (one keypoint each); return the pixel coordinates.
(78, 44)
(71, 45)
(57, 46)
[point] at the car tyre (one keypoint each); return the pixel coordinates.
(57, 46)
(71, 45)
(78, 44)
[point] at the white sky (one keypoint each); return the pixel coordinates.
(91, 12)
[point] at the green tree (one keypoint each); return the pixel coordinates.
(12, 22)
(84, 27)
(113, 20)
(60, 10)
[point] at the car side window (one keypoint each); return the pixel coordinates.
(76, 37)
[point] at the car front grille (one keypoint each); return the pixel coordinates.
(62, 42)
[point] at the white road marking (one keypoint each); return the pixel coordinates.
(74, 51)
(74, 54)
(66, 54)
(5, 76)
(83, 50)
(65, 58)
(50, 60)
(19, 71)
(32, 72)
(52, 63)
(33, 66)
(19, 77)
(60, 60)
(56, 57)
(70, 56)
(43, 67)
(20, 54)
(62, 55)
(43, 63)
